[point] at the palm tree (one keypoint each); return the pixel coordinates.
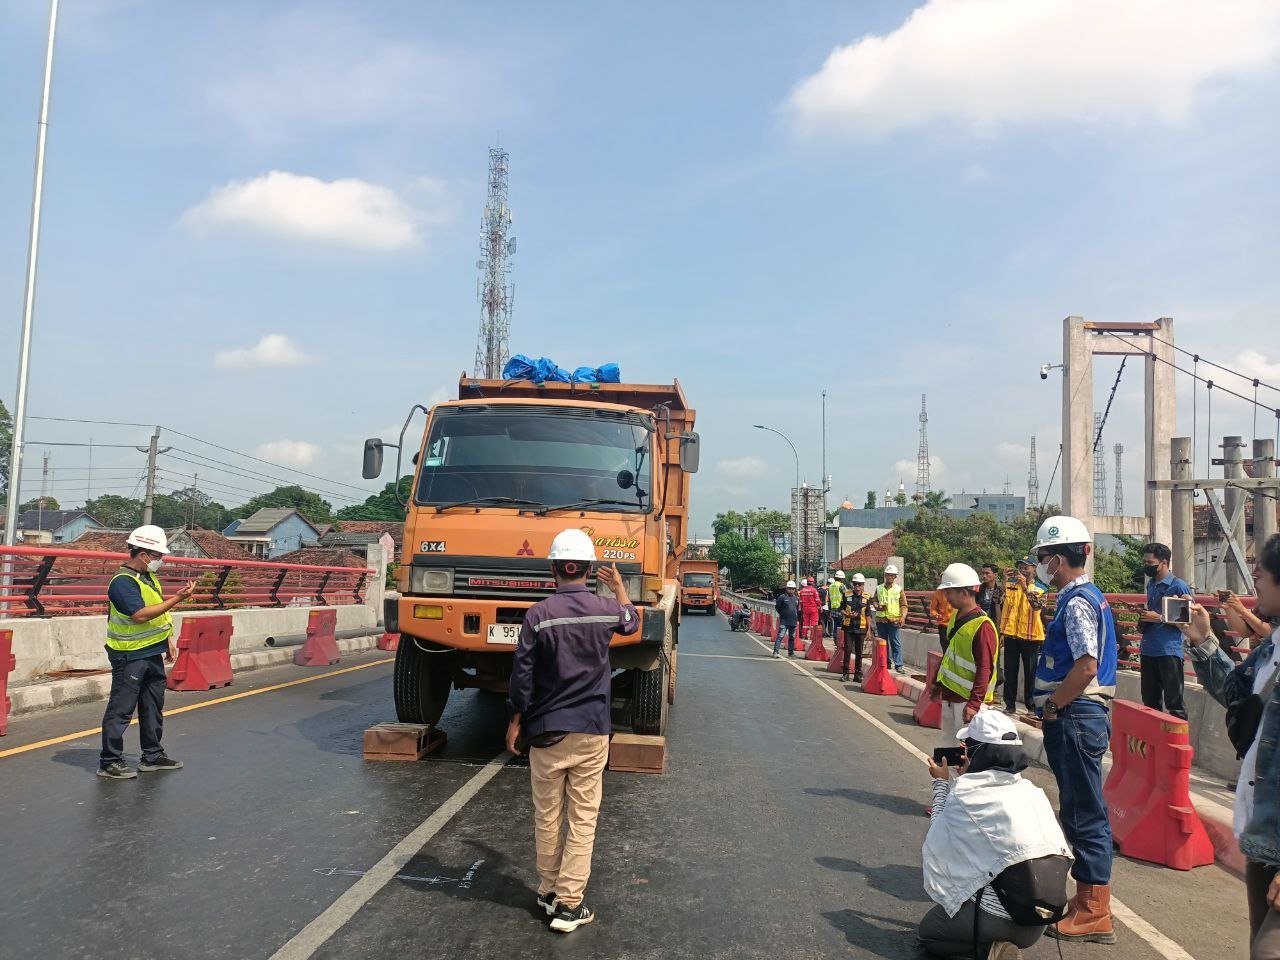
(936, 500)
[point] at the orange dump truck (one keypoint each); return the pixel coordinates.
(498, 473)
(699, 585)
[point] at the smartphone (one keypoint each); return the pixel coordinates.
(1177, 610)
(1224, 596)
(954, 756)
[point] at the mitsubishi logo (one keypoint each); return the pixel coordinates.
(525, 550)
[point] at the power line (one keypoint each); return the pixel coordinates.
(96, 446)
(197, 483)
(107, 423)
(247, 474)
(1199, 359)
(278, 466)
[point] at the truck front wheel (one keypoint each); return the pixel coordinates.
(649, 700)
(421, 683)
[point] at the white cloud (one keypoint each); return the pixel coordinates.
(904, 471)
(290, 453)
(1013, 452)
(741, 467)
(1254, 364)
(986, 62)
(273, 350)
(348, 212)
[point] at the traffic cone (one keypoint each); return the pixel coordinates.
(816, 650)
(880, 680)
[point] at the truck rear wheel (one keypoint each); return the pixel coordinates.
(649, 700)
(421, 683)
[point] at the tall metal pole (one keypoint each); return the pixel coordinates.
(1264, 507)
(824, 483)
(29, 294)
(151, 451)
(795, 533)
(1183, 545)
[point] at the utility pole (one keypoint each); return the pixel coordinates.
(1264, 507)
(29, 294)
(152, 450)
(1181, 468)
(826, 483)
(1233, 497)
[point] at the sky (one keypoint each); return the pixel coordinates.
(261, 223)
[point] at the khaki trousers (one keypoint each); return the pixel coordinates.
(567, 780)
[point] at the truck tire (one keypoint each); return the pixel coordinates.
(649, 700)
(421, 683)
(671, 679)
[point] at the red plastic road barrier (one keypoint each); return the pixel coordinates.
(7, 663)
(389, 641)
(321, 647)
(836, 663)
(928, 710)
(880, 681)
(204, 654)
(1148, 794)
(816, 650)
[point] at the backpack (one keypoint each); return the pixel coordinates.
(1035, 891)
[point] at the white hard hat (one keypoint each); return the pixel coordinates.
(991, 726)
(959, 575)
(858, 578)
(1058, 531)
(572, 544)
(891, 569)
(839, 574)
(150, 538)
(791, 584)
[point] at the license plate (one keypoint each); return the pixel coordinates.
(508, 633)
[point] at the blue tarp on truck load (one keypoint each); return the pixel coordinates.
(543, 369)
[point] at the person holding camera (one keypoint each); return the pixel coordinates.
(1021, 632)
(1161, 661)
(991, 824)
(1251, 694)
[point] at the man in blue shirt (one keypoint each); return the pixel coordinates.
(1162, 657)
(559, 704)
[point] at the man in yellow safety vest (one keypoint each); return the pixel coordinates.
(891, 614)
(835, 600)
(1021, 633)
(966, 679)
(139, 640)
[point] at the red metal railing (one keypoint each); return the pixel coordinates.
(39, 582)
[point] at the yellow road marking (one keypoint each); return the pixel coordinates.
(54, 741)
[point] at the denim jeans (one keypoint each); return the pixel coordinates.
(135, 685)
(1075, 744)
(790, 630)
(890, 632)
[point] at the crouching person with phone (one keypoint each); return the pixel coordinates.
(1251, 694)
(991, 823)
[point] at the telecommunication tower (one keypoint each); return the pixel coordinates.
(1119, 451)
(1033, 480)
(494, 289)
(922, 457)
(1099, 469)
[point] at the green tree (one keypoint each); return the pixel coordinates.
(380, 506)
(870, 502)
(6, 443)
(311, 505)
(936, 500)
(932, 539)
(771, 523)
(188, 507)
(900, 498)
(1120, 570)
(114, 511)
(39, 503)
(751, 563)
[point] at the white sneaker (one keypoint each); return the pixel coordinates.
(1003, 950)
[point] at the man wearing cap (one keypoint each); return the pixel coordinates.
(559, 705)
(966, 677)
(139, 641)
(1021, 633)
(891, 614)
(787, 607)
(1075, 683)
(857, 618)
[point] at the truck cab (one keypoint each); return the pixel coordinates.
(699, 586)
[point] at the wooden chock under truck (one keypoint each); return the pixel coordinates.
(497, 474)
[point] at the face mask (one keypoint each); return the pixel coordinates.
(1042, 572)
(155, 565)
(1150, 570)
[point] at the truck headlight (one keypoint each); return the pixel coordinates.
(431, 581)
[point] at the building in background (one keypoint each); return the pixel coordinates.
(856, 527)
(272, 532)
(53, 527)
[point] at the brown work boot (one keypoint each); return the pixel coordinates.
(1089, 916)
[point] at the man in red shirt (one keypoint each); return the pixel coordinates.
(809, 604)
(966, 676)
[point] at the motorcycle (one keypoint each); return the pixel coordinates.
(740, 620)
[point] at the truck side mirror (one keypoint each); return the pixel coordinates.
(372, 458)
(690, 452)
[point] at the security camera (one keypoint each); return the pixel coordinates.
(1044, 371)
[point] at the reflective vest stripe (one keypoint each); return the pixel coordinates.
(123, 633)
(958, 671)
(890, 600)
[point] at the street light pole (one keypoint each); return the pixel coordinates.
(825, 485)
(795, 538)
(29, 295)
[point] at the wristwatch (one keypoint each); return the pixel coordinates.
(1051, 710)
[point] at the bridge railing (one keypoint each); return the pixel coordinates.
(42, 582)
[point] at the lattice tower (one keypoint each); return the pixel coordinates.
(1099, 469)
(1119, 452)
(1033, 479)
(922, 456)
(494, 289)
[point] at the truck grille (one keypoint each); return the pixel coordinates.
(505, 583)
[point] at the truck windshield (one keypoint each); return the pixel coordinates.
(698, 580)
(536, 458)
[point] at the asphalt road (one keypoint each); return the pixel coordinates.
(788, 825)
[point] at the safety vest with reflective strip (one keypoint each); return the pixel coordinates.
(889, 600)
(958, 669)
(1056, 658)
(1022, 620)
(122, 633)
(835, 595)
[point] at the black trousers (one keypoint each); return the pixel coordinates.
(1020, 656)
(853, 640)
(1162, 681)
(1264, 922)
(135, 685)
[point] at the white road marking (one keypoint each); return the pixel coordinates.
(727, 656)
(318, 932)
(1158, 942)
